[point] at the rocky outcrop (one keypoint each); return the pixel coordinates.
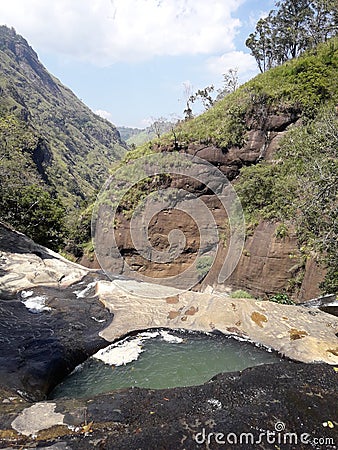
(45, 333)
(25, 264)
(289, 405)
(50, 318)
(55, 315)
(46, 330)
(297, 332)
(269, 263)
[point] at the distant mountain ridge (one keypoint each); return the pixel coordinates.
(136, 136)
(76, 146)
(54, 150)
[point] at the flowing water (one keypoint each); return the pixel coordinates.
(161, 359)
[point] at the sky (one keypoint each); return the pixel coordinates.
(133, 61)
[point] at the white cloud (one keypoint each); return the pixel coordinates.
(106, 31)
(245, 63)
(104, 114)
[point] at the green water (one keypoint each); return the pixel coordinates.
(162, 364)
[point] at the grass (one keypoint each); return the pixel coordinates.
(240, 294)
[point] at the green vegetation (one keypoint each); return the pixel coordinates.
(203, 265)
(301, 85)
(55, 153)
(291, 28)
(25, 202)
(282, 231)
(134, 137)
(282, 299)
(240, 294)
(302, 186)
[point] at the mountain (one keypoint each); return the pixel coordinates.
(48, 135)
(276, 139)
(136, 136)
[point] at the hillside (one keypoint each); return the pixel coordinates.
(275, 137)
(63, 149)
(136, 136)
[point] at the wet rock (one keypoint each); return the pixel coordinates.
(39, 348)
(50, 317)
(24, 264)
(264, 402)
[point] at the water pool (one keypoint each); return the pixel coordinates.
(161, 359)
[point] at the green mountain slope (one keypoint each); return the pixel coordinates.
(136, 136)
(62, 146)
(276, 137)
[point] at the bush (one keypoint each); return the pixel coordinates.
(282, 299)
(203, 265)
(240, 294)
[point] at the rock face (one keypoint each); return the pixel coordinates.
(50, 319)
(269, 265)
(297, 332)
(285, 404)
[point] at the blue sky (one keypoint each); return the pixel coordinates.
(130, 60)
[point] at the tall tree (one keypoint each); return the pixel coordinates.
(260, 44)
(293, 27)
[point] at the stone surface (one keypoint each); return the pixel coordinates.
(298, 398)
(313, 276)
(268, 263)
(24, 264)
(39, 347)
(297, 332)
(38, 417)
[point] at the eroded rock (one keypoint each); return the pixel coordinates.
(294, 331)
(290, 397)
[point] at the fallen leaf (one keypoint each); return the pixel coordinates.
(87, 428)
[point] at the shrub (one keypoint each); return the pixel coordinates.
(240, 294)
(282, 299)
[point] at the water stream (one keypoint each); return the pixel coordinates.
(161, 359)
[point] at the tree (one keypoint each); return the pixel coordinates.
(293, 27)
(260, 44)
(204, 96)
(230, 83)
(160, 126)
